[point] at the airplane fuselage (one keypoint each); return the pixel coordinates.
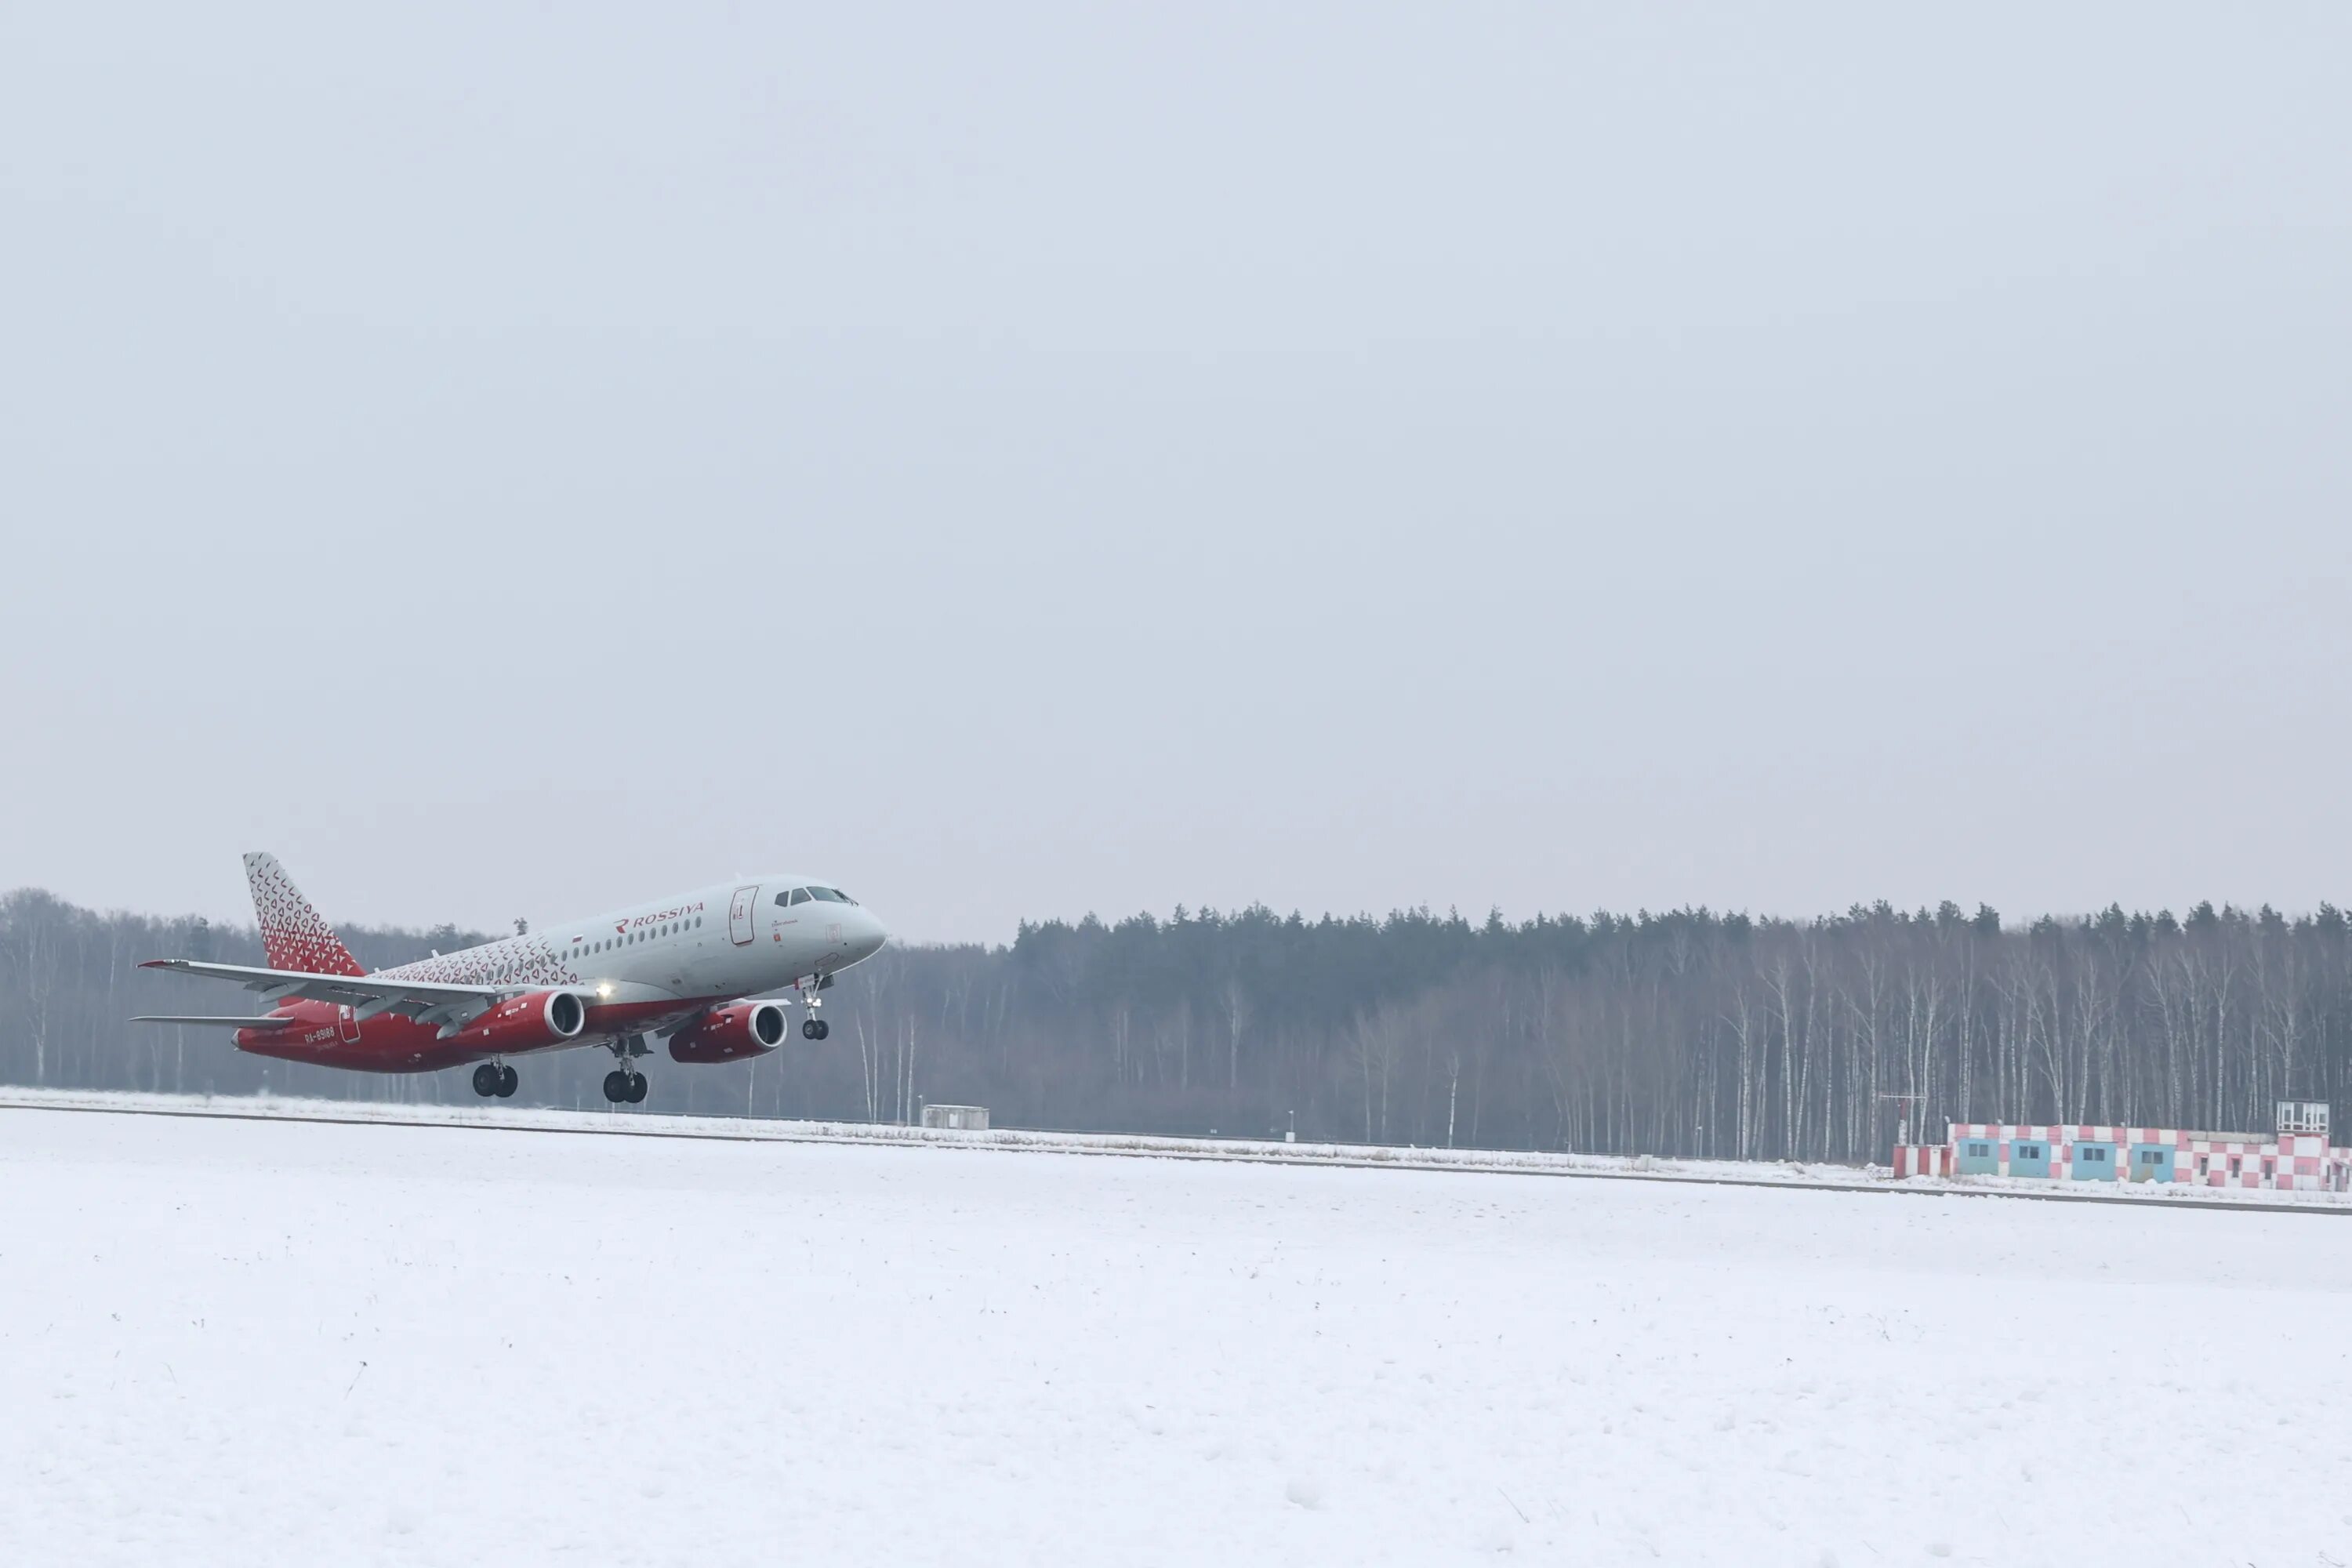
(635, 969)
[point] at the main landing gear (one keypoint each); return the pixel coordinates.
(624, 1085)
(495, 1078)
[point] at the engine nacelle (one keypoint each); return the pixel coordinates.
(730, 1034)
(528, 1023)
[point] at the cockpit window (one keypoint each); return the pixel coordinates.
(822, 895)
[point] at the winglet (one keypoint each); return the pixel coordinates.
(291, 931)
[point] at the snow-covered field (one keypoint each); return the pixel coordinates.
(301, 1342)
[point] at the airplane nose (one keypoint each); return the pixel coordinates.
(873, 936)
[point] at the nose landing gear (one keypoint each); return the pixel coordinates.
(813, 1028)
(495, 1078)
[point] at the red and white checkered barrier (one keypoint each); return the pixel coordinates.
(1923, 1160)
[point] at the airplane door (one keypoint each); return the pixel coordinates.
(739, 916)
(350, 1025)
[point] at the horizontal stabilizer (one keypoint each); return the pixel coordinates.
(264, 1022)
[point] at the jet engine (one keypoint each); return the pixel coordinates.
(528, 1023)
(730, 1034)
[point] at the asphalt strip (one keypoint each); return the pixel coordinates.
(711, 1129)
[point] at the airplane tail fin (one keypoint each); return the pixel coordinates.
(291, 931)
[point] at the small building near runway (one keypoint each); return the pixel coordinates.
(960, 1118)
(2297, 1158)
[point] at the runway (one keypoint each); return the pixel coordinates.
(623, 1122)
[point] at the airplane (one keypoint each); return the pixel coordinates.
(686, 967)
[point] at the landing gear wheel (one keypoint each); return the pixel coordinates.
(811, 1029)
(616, 1086)
(508, 1080)
(637, 1087)
(823, 1028)
(487, 1079)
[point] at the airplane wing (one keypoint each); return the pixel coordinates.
(426, 1001)
(266, 1021)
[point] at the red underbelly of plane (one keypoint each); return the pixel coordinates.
(388, 1042)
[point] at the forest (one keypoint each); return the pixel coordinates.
(1682, 1032)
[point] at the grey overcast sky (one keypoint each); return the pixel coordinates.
(1024, 459)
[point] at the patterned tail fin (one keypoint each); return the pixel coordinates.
(291, 931)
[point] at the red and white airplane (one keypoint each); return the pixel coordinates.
(680, 967)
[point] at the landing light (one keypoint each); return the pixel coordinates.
(604, 990)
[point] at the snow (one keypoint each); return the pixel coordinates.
(299, 1341)
(1520, 1161)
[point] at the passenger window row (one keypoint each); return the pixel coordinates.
(672, 928)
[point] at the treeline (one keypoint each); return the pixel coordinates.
(1682, 1032)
